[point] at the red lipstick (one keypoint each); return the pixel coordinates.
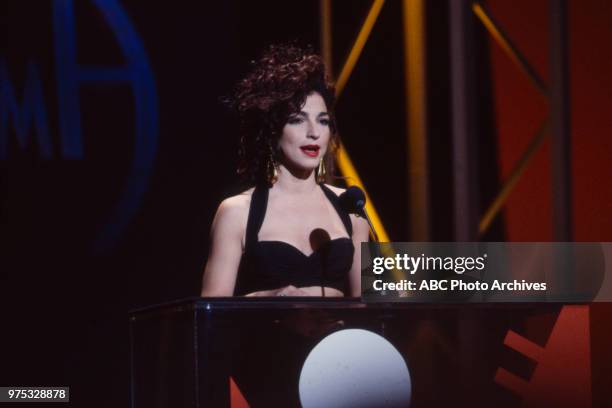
(311, 150)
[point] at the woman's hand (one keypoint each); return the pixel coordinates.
(295, 291)
(284, 291)
(308, 323)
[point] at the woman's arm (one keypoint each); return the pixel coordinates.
(227, 233)
(361, 233)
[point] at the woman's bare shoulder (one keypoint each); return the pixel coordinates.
(239, 200)
(236, 207)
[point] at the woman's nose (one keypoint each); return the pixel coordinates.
(313, 133)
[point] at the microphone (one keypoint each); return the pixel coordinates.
(319, 240)
(353, 201)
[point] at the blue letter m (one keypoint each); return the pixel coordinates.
(31, 112)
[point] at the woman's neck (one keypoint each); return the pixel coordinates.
(295, 182)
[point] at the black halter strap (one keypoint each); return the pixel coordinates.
(259, 202)
(257, 212)
(346, 219)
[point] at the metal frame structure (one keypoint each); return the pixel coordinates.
(466, 213)
(557, 95)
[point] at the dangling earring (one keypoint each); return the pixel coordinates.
(272, 173)
(321, 172)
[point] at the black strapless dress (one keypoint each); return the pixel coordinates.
(274, 264)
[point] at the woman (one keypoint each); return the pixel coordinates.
(287, 236)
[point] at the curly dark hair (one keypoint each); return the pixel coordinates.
(275, 88)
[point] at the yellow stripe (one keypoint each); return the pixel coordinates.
(362, 37)
(416, 114)
(513, 179)
(505, 44)
(326, 34)
(348, 170)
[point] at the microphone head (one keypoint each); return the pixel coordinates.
(318, 239)
(352, 200)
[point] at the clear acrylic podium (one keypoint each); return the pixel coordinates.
(182, 353)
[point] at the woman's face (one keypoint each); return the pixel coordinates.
(306, 135)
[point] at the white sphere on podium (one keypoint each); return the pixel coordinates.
(354, 368)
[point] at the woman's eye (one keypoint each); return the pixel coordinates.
(324, 122)
(294, 121)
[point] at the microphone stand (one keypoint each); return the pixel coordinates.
(364, 214)
(319, 240)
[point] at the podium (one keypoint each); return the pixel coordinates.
(183, 353)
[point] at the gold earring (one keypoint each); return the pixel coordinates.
(321, 172)
(272, 172)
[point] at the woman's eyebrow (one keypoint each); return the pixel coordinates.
(305, 114)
